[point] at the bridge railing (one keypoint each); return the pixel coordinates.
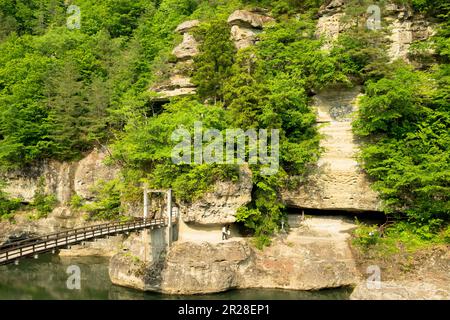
(111, 227)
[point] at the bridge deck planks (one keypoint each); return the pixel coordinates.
(47, 243)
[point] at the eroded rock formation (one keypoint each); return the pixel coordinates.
(313, 256)
(406, 28)
(403, 25)
(187, 49)
(62, 180)
(401, 290)
(91, 170)
(178, 82)
(187, 26)
(56, 179)
(330, 24)
(245, 27)
(338, 182)
(220, 205)
(142, 255)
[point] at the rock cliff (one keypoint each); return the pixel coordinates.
(402, 290)
(403, 26)
(220, 205)
(406, 28)
(314, 255)
(178, 82)
(245, 27)
(338, 182)
(61, 179)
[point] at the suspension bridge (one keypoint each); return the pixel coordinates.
(16, 250)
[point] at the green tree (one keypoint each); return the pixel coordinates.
(24, 124)
(7, 205)
(362, 54)
(68, 112)
(213, 64)
(407, 143)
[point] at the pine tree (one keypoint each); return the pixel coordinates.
(213, 64)
(68, 110)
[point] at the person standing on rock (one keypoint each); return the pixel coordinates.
(224, 233)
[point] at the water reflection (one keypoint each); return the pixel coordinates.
(45, 279)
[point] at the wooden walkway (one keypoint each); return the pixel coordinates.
(19, 249)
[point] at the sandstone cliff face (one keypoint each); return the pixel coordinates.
(402, 290)
(193, 268)
(136, 264)
(245, 27)
(90, 171)
(57, 180)
(179, 82)
(187, 49)
(313, 256)
(330, 23)
(62, 180)
(338, 182)
(187, 26)
(220, 205)
(404, 26)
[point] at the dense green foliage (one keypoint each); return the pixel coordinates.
(213, 64)
(43, 202)
(262, 87)
(409, 149)
(399, 237)
(404, 120)
(7, 204)
(362, 54)
(269, 89)
(145, 150)
(108, 206)
(64, 91)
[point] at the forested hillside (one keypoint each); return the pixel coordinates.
(65, 90)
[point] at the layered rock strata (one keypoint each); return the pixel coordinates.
(338, 182)
(403, 25)
(220, 205)
(245, 27)
(314, 255)
(61, 179)
(179, 82)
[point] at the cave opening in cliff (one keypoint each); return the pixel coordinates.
(155, 107)
(372, 217)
